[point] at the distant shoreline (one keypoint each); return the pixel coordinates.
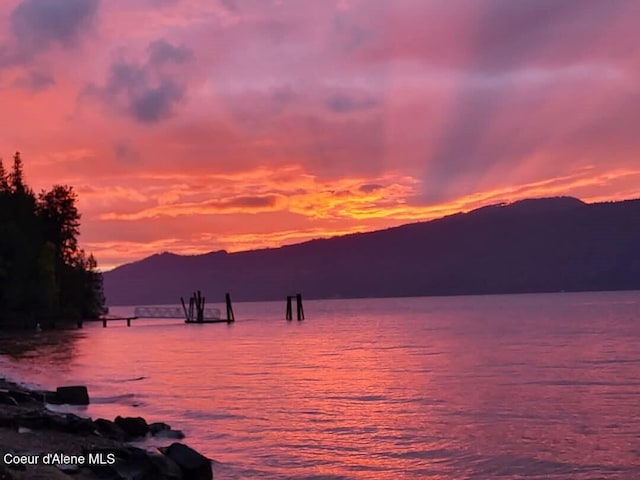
(453, 295)
(530, 246)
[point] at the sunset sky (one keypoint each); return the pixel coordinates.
(198, 125)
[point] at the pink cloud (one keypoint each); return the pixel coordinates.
(191, 125)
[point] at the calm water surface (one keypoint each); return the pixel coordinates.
(524, 386)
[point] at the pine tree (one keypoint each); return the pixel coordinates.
(61, 219)
(17, 176)
(4, 181)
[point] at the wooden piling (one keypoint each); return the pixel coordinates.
(199, 301)
(104, 323)
(184, 308)
(299, 309)
(128, 321)
(230, 316)
(289, 315)
(79, 323)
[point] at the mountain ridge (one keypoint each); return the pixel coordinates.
(532, 245)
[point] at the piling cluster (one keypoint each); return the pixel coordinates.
(299, 308)
(195, 313)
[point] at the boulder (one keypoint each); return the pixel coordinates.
(73, 395)
(108, 429)
(45, 396)
(7, 419)
(35, 420)
(166, 468)
(20, 396)
(71, 423)
(133, 426)
(135, 465)
(157, 427)
(7, 399)
(130, 463)
(194, 465)
(170, 434)
(162, 430)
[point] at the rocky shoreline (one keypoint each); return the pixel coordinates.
(38, 444)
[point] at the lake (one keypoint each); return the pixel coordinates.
(510, 387)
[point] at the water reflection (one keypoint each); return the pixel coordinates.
(53, 347)
(539, 386)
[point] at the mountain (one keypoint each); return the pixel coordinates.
(540, 245)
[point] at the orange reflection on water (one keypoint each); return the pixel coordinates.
(480, 387)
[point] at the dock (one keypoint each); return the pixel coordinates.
(195, 312)
(104, 320)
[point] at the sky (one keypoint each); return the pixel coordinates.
(198, 125)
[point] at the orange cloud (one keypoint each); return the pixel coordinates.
(193, 126)
(257, 209)
(243, 204)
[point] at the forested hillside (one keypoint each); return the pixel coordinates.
(541, 245)
(44, 276)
